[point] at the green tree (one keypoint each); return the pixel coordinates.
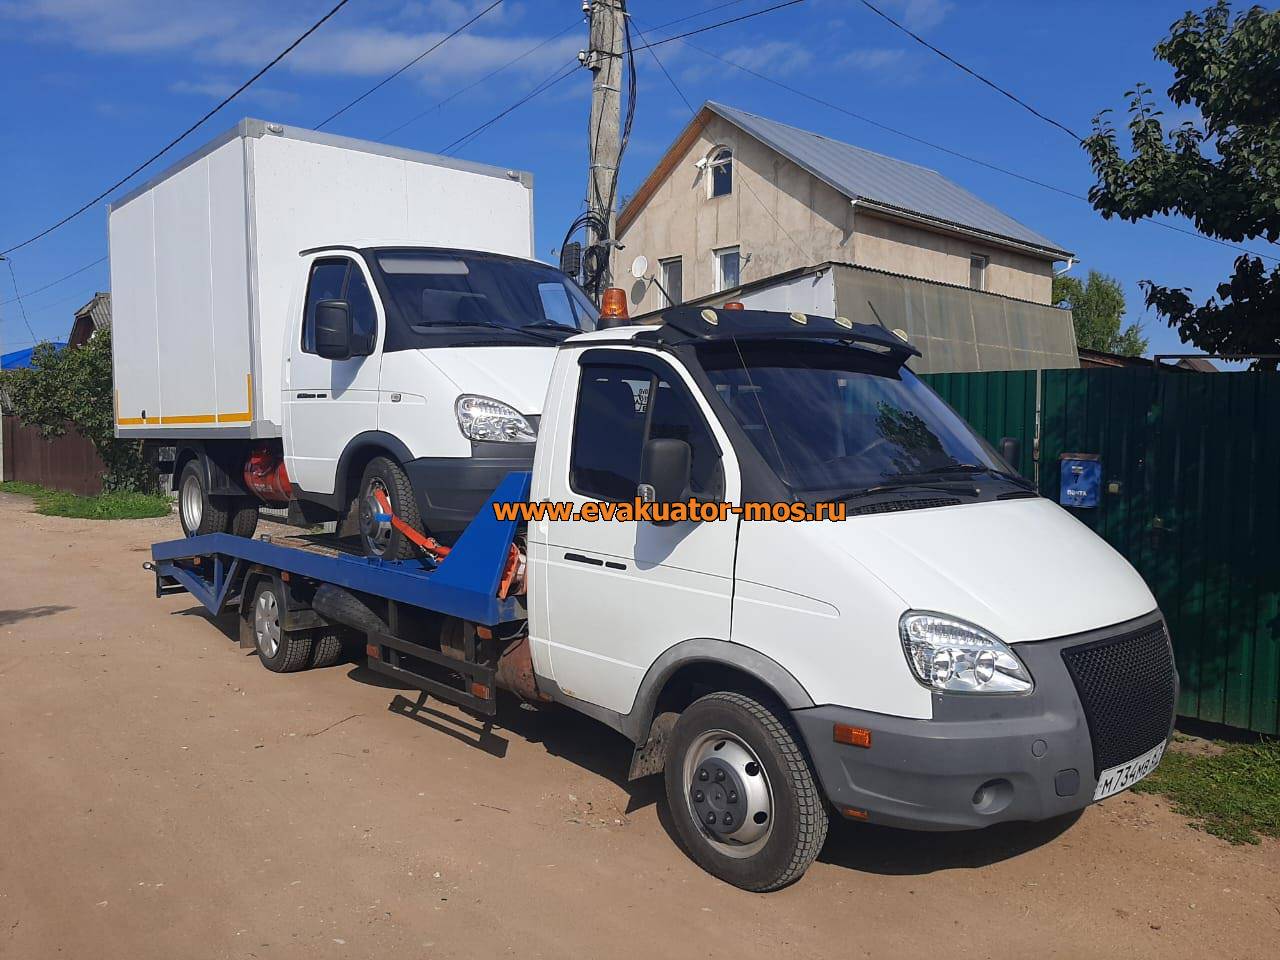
(1222, 172)
(1097, 307)
(72, 387)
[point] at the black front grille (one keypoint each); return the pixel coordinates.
(1127, 686)
(892, 506)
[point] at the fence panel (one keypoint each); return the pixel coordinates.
(1191, 498)
(68, 462)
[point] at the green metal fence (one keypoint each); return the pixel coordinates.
(1191, 497)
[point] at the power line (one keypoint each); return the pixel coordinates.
(18, 297)
(53, 283)
(550, 82)
(742, 180)
(565, 71)
(176, 140)
(418, 59)
(488, 76)
(973, 73)
(962, 156)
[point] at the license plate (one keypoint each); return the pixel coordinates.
(1125, 775)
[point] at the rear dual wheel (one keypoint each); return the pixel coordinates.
(201, 512)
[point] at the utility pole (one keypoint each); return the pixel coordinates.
(603, 58)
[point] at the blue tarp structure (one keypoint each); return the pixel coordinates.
(21, 359)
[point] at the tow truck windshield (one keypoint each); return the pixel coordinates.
(834, 420)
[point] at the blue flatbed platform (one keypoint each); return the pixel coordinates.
(464, 584)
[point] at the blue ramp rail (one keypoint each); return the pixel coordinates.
(463, 585)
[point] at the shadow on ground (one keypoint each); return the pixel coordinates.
(10, 617)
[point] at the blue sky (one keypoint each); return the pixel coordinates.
(94, 87)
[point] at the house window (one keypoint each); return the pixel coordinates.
(720, 165)
(673, 280)
(978, 271)
(727, 263)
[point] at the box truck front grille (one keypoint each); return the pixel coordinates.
(1127, 686)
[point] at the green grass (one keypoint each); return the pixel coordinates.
(1234, 794)
(118, 505)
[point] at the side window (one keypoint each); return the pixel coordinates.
(364, 316)
(325, 283)
(339, 279)
(619, 407)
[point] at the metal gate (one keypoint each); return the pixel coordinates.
(1190, 495)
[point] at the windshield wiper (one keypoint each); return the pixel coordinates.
(494, 325)
(907, 484)
(957, 468)
(551, 325)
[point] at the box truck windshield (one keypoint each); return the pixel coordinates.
(456, 289)
(836, 419)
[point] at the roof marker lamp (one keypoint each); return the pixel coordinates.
(952, 656)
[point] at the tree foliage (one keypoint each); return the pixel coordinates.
(73, 388)
(1223, 172)
(1097, 309)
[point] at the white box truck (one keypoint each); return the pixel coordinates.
(925, 662)
(307, 319)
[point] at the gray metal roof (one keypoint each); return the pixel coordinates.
(98, 309)
(862, 175)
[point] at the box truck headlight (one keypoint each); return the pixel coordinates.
(958, 657)
(483, 418)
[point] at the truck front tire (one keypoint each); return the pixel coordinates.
(741, 793)
(378, 537)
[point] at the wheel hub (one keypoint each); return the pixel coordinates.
(729, 794)
(266, 624)
(191, 503)
(375, 532)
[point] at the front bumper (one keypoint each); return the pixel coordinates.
(982, 759)
(451, 490)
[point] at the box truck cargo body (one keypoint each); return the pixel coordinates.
(205, 256)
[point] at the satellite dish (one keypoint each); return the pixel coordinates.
(640, 267)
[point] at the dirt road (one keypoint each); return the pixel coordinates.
(162, 795)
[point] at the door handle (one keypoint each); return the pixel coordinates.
(579, 558)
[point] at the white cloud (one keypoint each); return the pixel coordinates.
(919, 14)
(217, 89)
(246, 33)
(777, 58)
(873, 58)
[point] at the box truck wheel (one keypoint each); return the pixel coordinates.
(199, 512)
(742, 796)
(280, 650)
(378, 537)
(244, 517)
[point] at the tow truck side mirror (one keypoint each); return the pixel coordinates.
(665, 471)
(1011, 450)
(333, 329)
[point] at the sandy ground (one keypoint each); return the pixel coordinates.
(162, 795)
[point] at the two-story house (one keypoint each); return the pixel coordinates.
(742, 207)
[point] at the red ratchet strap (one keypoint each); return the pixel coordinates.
(438, 551)
(512, 572)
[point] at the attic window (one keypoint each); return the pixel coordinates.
(720, 165)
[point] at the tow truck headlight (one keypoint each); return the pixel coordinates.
(483, 418)
(958, 657)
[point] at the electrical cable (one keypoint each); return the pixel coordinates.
(542, 87)
(956, 153)
(180, 137)
(17, 296)
(973, 73)
(416, 60)
(488, 76)
(52, 283)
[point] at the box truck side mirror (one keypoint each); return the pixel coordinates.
(1011, 450)
(665, 471)
(333, 329)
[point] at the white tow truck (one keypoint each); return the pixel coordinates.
(921, 663)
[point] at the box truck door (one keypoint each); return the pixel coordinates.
(327, 402)
(620, 593)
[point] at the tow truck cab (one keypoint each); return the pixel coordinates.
(920, 663)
